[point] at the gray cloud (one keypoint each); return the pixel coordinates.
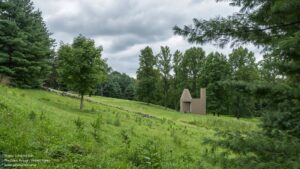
(123, 27)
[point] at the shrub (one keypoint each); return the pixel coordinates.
(96, 125)
(42, 116)
(32, 115)
(125, 138)
(79, 124)
(148, 155)
(59, 153)
(255, 150)
(77, 149)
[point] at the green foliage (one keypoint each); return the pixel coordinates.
(187, 70)
(194, 70)
(147, 74)
(53, 135)
(96, 125)
(125, 138)
(80, 65)
(42, 116)
(269, 68)
(191, 65)
(254, 150)
(164, 67)
(215, 70)
(243, 65)
(117, 85)
(242, 101)
(76, 149)
(282, 114)
(32, 115)
(273, 25)
(147, 156)
(258, 22)
(176, 83)
(52, 80)
(79, 124)
(129, 92)
(112, 89)
(240, 97)
(25, 46)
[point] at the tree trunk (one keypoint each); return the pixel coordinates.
(81, 102)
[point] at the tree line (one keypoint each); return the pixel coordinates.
(162, 77)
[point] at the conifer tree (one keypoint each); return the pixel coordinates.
(25, 46)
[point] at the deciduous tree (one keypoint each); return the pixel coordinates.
(147, 76)
(164, 66)
(81, 67)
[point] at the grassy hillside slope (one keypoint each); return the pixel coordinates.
(109, 133)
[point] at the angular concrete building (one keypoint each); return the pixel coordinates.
(190, 105)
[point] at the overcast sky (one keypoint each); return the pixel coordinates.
(124, 27)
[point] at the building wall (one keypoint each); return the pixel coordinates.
(203, 101)
(196, 106)
(188, 104)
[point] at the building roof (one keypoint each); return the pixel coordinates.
(186, 96)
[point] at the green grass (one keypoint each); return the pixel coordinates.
(124, 134)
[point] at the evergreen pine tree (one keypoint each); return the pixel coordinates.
(25, 46)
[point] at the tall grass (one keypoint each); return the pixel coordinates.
(110, 135)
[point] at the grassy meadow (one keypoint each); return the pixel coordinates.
(108, 133)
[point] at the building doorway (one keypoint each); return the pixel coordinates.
(186, 107)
